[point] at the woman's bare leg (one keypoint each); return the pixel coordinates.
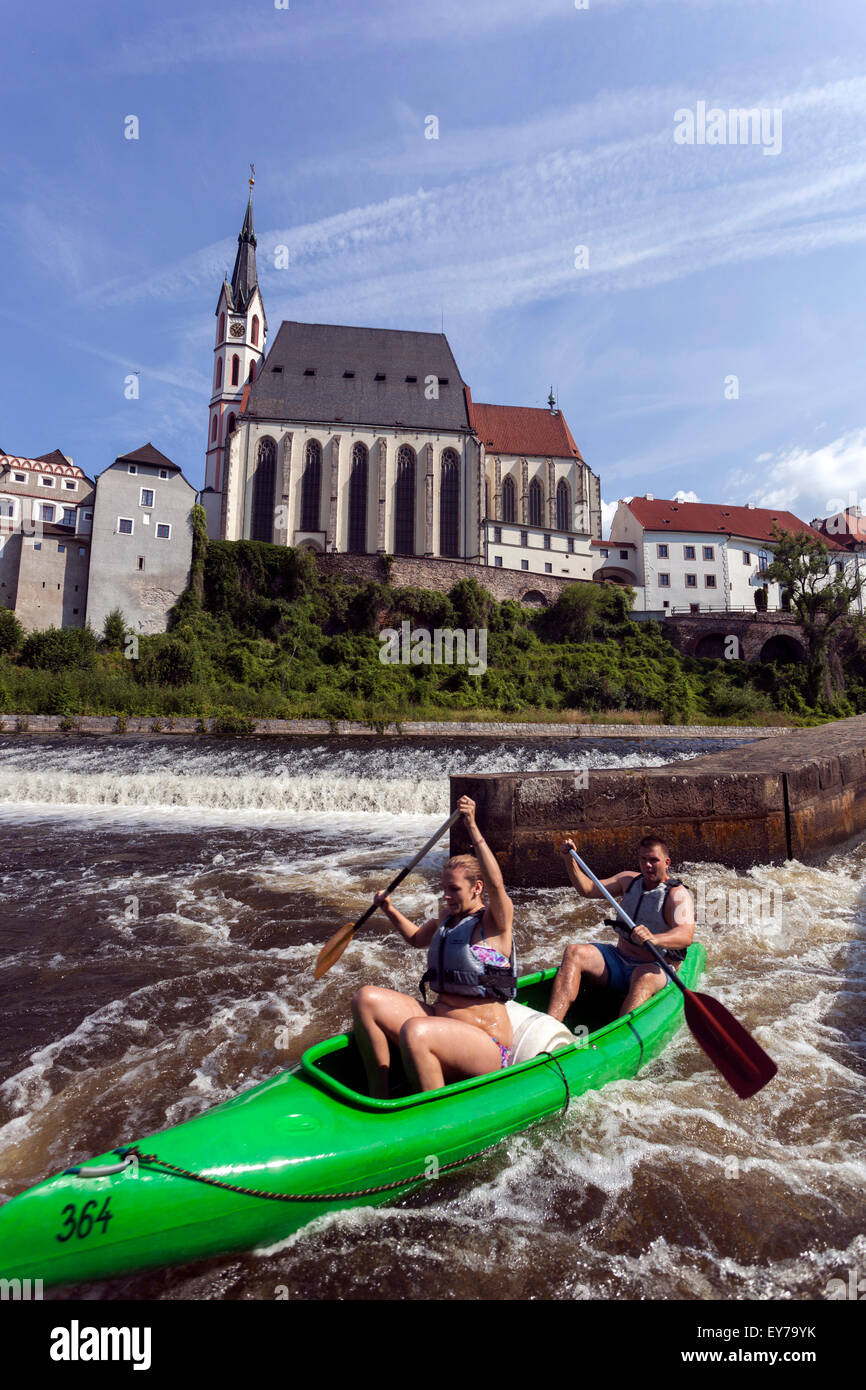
(379, 1015)
(437, 1050)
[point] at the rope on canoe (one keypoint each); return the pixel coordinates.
(153, 1160)
(555, 1062)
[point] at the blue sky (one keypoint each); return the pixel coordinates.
(555, 130)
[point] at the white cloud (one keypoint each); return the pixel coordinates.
(815, 482)
(681, 496)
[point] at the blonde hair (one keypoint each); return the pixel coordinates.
(465, 864)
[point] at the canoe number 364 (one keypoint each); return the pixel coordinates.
(82, 1226)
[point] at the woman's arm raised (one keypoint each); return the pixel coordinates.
(500, 906)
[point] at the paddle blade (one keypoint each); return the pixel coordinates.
(742, 1062)
(333, 949)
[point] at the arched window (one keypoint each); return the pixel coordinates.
(311, 486)
(219, 374)
(404, 502)
(255, 332)
(236, 368)
(221, 333)
(231, 424)
(536, 503)
(358, 500)
(563, 506)
(252, 371)
(213, 428)
(508, 507)
(449, 504)
(487, 511)
(262, 528)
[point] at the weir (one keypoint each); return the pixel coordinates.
(793, 796)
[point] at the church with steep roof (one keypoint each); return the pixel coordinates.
(367, 441)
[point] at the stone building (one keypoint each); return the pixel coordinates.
(141, 545)
(366, 440)
(46, 515)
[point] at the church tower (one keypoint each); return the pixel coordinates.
(239, 348)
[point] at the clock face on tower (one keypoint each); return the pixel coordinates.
(237, 330)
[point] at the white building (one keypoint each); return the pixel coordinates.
(698, 556)
(366, 440)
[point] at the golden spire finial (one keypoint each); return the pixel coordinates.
(252, 174)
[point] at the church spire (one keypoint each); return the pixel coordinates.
(244, 277)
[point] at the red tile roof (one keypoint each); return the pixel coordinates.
(711, 518)
(522, 430)
(853, 534)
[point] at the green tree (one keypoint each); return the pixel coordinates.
(822, 601)
(114, 631)
(11, 631)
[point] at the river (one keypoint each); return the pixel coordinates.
(163, 903)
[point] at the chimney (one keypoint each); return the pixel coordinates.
(649, 497)
(751, 506)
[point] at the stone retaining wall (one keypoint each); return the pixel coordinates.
(441, 575)
(133, 724)
(792, 796)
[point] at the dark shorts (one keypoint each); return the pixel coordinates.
(619, 970)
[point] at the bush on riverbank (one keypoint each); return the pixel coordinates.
(261, 633)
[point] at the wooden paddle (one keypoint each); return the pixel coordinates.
(336, 945)
(741, 1060)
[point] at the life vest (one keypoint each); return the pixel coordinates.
(646, 908)
(454, 968)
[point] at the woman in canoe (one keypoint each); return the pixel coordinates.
(470, 966)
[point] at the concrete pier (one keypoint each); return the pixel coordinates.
(793, 796)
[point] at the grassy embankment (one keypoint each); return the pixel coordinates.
(261, 634)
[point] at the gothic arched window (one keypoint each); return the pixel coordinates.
(231, 424)
(449, 504)
(222, 329)
(563, 506)
(219, 374)
(508, 507)
(213, 428)
(358, 499)
(536, 503)
(311, 486)
(252, 371)
(236, 368)
(404, 502)
(255, 332)
(262, 528)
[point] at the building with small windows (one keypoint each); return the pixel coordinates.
(46, 515)
(698, 557)
(367, 441)
(141, 543)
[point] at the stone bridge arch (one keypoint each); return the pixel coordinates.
(758, 636)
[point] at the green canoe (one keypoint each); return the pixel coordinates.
(251, 1171)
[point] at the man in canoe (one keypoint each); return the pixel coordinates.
(661, 908)
(472, 969)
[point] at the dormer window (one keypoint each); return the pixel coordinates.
(276, 369)
(347, 376)
(309, 371)
(443, 380)
(163, 472)
(411, 378)
(132, 467)
(380, 376)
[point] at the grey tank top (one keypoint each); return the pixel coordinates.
(646, 908)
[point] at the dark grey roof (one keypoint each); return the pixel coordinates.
(147, 454)
(55, 457)
(244, 278)
(343, 388)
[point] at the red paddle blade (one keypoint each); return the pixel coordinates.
(333, 949)
(742, 1061)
